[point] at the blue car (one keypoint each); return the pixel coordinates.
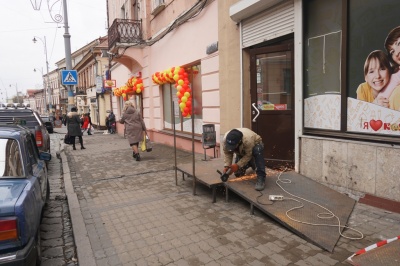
(24, 190)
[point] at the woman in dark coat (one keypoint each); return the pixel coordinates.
(134, 127)
(74, 127)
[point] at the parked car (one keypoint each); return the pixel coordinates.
(24, 190)
(48, 122)
(10, 113)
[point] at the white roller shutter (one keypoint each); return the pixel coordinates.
(269, 24)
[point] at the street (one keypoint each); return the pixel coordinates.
(132, 213)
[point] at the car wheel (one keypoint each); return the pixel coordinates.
(38, 243)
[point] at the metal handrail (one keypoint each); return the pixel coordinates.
(125, 31)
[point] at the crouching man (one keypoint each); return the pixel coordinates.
(249, 150)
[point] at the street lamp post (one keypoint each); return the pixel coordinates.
(47, 87)
(68, 60)
(44, 90)
(67, 43)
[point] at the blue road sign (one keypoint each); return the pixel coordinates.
(69, 77)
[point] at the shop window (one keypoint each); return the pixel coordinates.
(171, 108)
(344, 50)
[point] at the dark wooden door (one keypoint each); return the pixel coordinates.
(272, 95)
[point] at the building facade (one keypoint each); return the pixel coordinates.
(304, 66)
(291, 70)
(165, 59)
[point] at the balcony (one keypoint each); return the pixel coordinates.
(125, 31)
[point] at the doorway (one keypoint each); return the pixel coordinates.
(272, 101)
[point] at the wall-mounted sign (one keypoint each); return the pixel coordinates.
(110, 83)
(99, 84)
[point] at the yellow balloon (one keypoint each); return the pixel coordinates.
(176, 77)
(180, 82)
(187, 94)
(138, 90)
(182, 105)
(184, 99)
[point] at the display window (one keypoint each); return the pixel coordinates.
(172, 110)
(351, 67)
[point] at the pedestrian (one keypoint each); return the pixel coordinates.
(73, 123)
(85, 123)
(249, 150)
(134, 127)
(111, 122)
(108, 124)
(89, 132)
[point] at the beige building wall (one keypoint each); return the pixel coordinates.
(230, 69)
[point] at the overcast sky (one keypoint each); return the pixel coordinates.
(19, 23)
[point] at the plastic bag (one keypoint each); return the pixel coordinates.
(149, 146)
(146, 144)
(143, 145)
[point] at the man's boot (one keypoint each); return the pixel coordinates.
(260, 184)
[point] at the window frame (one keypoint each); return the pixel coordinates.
(172, 96)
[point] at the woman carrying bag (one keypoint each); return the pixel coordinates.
(73, 123)
(134, 127)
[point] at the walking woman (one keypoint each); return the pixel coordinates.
(134, 127)
(85, 124)
(74, 127)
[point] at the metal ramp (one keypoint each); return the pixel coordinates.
(323, 236)
(205, 173)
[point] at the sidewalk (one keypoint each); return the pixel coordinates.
(125, 212)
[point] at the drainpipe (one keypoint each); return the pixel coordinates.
(97, 95)
(241, 73)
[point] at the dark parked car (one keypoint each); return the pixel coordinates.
(12, 113)
(48, 122)
(24, 190)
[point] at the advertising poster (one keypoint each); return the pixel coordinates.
(372, 68)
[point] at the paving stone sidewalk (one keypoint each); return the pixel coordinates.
(133, 213)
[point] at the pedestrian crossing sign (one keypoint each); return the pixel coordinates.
(69, 77)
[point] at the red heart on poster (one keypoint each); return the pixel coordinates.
(376, 124)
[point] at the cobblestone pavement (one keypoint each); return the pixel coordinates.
(133, 213)
(58, 247)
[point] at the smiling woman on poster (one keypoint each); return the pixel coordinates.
(376, 74)
(392, 90)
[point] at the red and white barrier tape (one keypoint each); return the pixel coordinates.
(376, 245)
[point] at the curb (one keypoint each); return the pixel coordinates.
(83, 247)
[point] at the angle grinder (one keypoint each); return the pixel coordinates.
(225, 176)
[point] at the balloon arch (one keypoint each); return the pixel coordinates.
(133, 86)
(179, 76)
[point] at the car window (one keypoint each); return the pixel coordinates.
(33, 157)
(10, 117)
(10, 159)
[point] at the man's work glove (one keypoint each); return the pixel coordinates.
(234, 167)
(228, 168)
